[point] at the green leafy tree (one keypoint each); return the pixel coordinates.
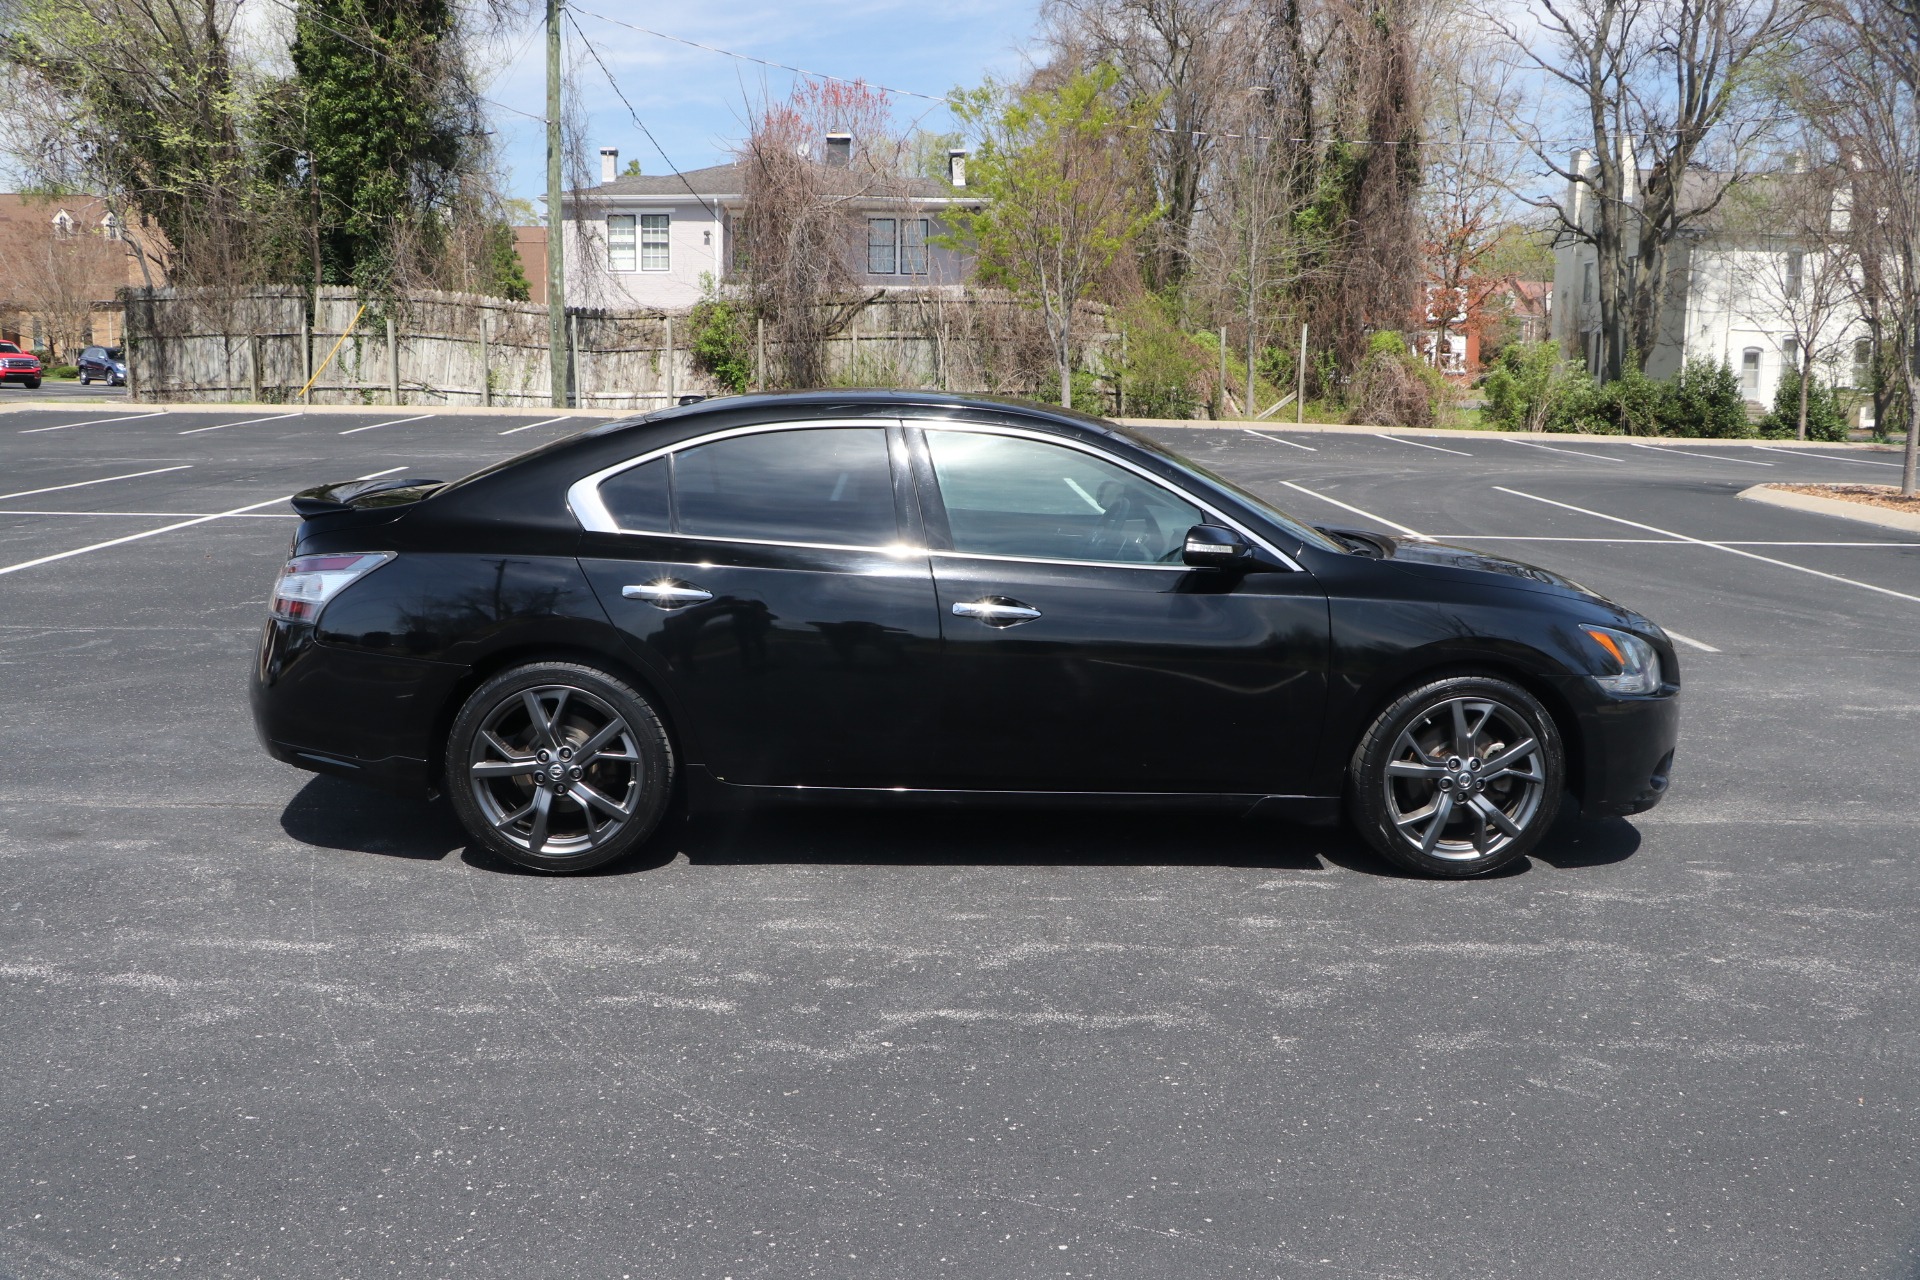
(1825, 419)
(1058, 175)
(722, 341)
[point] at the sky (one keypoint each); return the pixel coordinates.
(695, 103)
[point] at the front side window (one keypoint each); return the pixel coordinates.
(829, 484)
(913, 246)
(881, 246)
(654, 252)
(1009, 496)
(620, 251)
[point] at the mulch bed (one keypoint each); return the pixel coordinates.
(1872, 495)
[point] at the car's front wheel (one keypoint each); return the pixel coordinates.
(83, 377)
(33, 384)
(559, 766)
(1458, 777)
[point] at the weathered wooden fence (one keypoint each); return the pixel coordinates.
(447, 349)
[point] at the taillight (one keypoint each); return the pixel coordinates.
(308, 582)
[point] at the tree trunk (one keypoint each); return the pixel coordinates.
(1911, 455)
(1806, 379)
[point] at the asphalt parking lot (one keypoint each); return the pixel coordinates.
(257, 1023)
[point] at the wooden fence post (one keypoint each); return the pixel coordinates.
(1300, 381)
(760, 353)
(253, 366)
(574, 399)
(486, 360)
(1223, 371)
(393, 363)
(306, 359)
(673, 395)
(1120, 383)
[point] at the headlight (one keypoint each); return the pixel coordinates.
(1625, 662)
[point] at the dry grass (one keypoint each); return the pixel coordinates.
(1872, 495)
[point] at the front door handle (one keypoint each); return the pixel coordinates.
(667, 595)
(996, 611)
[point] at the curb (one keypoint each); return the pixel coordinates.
(1862, 512)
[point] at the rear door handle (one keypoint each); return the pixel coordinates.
(667, 595)
(996, 611)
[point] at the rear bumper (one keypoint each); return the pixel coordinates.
(372, 718)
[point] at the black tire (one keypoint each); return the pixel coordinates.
(1428, 803)
(631, 770)
(33, 384)
(83, 378)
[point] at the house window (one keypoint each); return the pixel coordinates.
(1790, 352)
(654, 254)
(1796, 263)
(1863, 363)
(62, 225)
(620, 250)
(110, 227)
(1586, 287)
(1750, 373)
(881, 247)
(913, 246)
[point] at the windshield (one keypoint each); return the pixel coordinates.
(9, 348)
(1298, 528)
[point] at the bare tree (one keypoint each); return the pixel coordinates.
(1666, 94)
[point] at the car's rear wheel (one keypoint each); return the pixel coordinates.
(559, 766)
(1458, 777)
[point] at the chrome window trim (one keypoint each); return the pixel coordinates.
(1085, 564)
(1213, 512)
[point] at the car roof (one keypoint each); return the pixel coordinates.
(821, 402)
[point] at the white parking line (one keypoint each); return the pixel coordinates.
(1528, 444)
(1825, 457)
(1418, 445)
(531, 425)
(154, 533)
(164, 515)
(1688, 453)
(396, 422)
(81, 484)
(1730, 550)
(94, 422)
(1411, 533)
(1277, 440)
(1652, 542)
(1701, 645)
(222, 426)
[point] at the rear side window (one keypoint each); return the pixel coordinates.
(831, 484)
(637, 498)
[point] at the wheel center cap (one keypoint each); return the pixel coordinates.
(556, 771)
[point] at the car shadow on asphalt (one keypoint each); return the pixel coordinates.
(332, 814)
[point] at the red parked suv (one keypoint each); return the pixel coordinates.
(19, 366)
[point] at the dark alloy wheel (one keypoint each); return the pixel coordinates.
(1458, 777)
(559, 766)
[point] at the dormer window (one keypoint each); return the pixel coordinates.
(110, 227)
(62, 225)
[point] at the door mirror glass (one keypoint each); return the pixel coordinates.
(1212, 546)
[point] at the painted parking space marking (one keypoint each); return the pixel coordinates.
(1656, 542)
(162, 515)
(350, 431)
(170, 528)
(1381, 435)
(1688, 453)
(1705, 542)
(1824, 457)
(1528, 444)
(531, 425)
(93, 422)
(222, 426)
(1277, 440)
(81, 484)
(1411, 533)
(1690, 642)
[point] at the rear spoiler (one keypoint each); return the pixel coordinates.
(329, 499)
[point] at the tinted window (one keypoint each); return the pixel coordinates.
(1008, 496)
(637, 498)
(827, 485)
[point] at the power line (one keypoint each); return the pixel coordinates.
(620, 94)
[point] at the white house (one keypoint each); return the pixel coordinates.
(646, 241)
(1739, 283)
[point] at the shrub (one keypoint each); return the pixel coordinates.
(1525, 384)
(1393, 387)
(1826, 420)
(1705, 401)
(722, 342)
(1161, 373)
(64, 371)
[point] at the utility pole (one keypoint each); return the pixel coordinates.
(556, 219)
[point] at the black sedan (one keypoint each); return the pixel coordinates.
(918, 597)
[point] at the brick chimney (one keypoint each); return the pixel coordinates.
(609, 163)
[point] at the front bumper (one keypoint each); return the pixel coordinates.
(1626, 753)
(374, 718)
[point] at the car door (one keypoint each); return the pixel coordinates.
(1081, 654)
(774, 577)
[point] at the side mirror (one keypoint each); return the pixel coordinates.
(1212, 546)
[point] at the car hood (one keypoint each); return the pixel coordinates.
(1421, 558)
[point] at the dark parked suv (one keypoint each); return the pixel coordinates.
(901, 597)
(103, 364)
